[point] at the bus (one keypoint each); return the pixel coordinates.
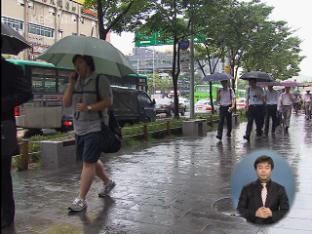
(202, 92)
(45, 110)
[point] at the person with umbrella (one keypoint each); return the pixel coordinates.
(307, 102)
(90, 57)
(81, 96)
(15, 90)
(255, 101)
(271, 100)
(285, 103)
(226, 100)
(255, 108)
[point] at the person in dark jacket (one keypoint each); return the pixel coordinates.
(15, 90)
(263, 201)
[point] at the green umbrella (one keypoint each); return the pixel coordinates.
(108, 60)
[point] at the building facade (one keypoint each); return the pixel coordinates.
(43, 22)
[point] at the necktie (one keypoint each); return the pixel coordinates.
(264, 193)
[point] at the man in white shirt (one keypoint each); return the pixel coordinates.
(255, 108)
(271, 99)
(286, 100)
(307, 101)
(226, 100)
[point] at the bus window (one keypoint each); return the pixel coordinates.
(49, 85)
(62, 80)
(62, 84)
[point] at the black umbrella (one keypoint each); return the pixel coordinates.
(217, 77)
(12, 41)
(257, 75)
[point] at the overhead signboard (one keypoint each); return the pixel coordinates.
(156, 39)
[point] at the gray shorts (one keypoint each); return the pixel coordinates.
(88, 147)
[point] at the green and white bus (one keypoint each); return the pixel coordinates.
(202, 92)
(45, 110)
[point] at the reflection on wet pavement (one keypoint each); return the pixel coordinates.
(173, 186)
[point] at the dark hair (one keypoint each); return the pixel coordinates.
(88, 59)
(262, 159)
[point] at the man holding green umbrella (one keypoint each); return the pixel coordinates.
(89, 57)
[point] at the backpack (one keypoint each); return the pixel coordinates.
(111, 134)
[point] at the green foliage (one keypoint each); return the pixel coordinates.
(164, 84)
(121, 15)
(274, 50)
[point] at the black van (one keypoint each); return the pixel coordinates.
(132, 106)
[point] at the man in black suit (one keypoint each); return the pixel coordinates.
(15, 90)
(263, 201)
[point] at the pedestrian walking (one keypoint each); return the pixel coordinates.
(285, 103)
(81, 95)
(226, 100)
(15, 90)
(307, 102)
(255, 108)
(297, 102)
(271, 99)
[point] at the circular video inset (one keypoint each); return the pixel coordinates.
(263, 187)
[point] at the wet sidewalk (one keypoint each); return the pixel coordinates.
(168, 187)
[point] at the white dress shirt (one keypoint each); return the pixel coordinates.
(253, 95)
(225, 97)
(271, 97)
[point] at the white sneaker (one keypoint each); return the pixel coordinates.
(78, 205)
(107, 188)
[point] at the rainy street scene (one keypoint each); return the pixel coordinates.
(156, 117)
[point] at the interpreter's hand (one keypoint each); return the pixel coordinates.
(80, 107)
(267, 212)
(260, 213)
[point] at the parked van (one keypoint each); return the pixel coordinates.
(133, 106)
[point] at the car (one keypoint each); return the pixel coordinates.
(241, 104)
(185, 103)
(203, 106)
(132, 106)
(164, 106)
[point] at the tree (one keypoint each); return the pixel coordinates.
(238, 22)
(174, 18)
(274, 50)
(166, 21)
(163, 84)
(118, 15)
(204, 55)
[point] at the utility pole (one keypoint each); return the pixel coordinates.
(26, 55)
(192, 69)
(154, 70)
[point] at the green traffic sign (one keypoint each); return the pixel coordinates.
(142, 40)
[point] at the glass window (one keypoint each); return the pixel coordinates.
(13, 23)
(62, 84)
(50, 85)
(38, 84)
(40, 30)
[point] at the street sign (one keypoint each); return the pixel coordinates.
(227, 69)
(184, 44)
(155, 39)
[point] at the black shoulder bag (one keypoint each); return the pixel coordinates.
(111, 134)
